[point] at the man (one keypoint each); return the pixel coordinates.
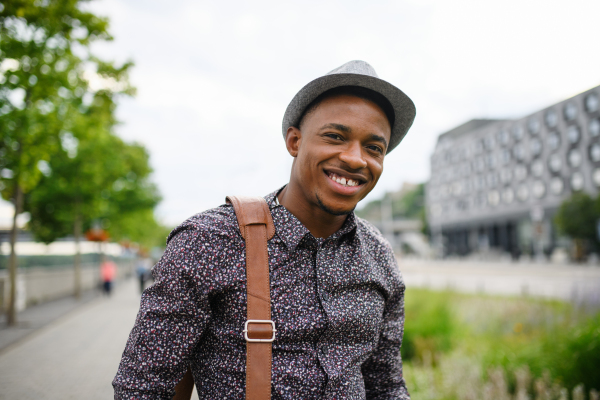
(336, 292)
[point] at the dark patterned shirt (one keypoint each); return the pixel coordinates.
(338, 306)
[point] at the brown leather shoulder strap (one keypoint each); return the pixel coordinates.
(256, 226)
(251, 210)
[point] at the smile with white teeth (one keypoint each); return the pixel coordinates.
(341, 180)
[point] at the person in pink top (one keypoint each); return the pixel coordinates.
(108, 272)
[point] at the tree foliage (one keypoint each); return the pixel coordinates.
(43, 59)
(57, 119)
(408, 203)
(577, 216)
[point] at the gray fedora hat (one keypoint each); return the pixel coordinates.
(354, 73)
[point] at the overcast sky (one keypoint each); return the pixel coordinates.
(214, 78)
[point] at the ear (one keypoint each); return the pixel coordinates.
(293, 138)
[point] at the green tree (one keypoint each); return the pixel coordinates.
(95, 177)
(405, 204)
(44, 53)
(577, 217)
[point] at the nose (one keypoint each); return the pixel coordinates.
(353, 156)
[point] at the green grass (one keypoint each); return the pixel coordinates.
(549, 340)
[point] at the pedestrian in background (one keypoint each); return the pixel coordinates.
(143, 271)
(108, 272)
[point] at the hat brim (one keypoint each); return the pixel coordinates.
(404, 108)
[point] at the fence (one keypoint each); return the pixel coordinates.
(41, 284)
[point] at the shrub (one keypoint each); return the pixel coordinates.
(430, 325)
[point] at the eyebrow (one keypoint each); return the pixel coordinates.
(339, 127)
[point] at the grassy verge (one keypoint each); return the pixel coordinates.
(459, 346)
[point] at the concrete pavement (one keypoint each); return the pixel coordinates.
(33, 318)
(579, 284)
(74, 357)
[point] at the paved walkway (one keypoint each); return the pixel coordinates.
(38, 316)
(74, 357)
(579, 284)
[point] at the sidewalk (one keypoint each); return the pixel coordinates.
(36, 317)
(579, 284)
(74, 357)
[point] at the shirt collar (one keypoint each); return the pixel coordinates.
(291, 231)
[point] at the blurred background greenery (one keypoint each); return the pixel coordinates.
(461, 346)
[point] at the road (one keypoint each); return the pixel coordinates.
(579, 284)
(76, 356)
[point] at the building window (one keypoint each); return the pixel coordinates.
(491, 179)
(505, 175)
(594, 127)
(538, 189)
(555, 163)
(520, 172)
(595, 152)
(490, 160)
(533, 125)
(508, 195)
(535, 147)
(570, 111)
(505, 157)
(488, 142)
(478, 147)
(480, 199)
(592, 103)
(519, 152)
(503, 137)
(573, 134)
(517, 132)
(522, 192)
(537, 168)
(457, 188)
(493, 198)
(557, 185)
(479, 164)
(596, 176)
(575, 158)
(551, 118)
(553, 140)
(577, 181)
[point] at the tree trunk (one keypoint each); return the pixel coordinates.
(77, 228)
(12, 262)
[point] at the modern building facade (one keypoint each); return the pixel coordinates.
(496, 184)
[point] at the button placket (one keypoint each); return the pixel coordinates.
(320, 286)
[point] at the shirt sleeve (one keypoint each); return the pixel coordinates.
(173, 314)
(382, 371)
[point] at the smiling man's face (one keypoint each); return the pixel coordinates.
(338, 152)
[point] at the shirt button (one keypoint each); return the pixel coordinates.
(325, 296)
(324, 350)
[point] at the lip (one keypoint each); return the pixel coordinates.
(341, 189)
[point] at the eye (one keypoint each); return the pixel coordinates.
(334, 136)
(375, 148)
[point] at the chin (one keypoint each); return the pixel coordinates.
(334, 209)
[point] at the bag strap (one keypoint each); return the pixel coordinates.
(256, 227)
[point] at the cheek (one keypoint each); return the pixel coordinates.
(376, 170)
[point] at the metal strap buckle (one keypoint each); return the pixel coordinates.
(259, 321)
